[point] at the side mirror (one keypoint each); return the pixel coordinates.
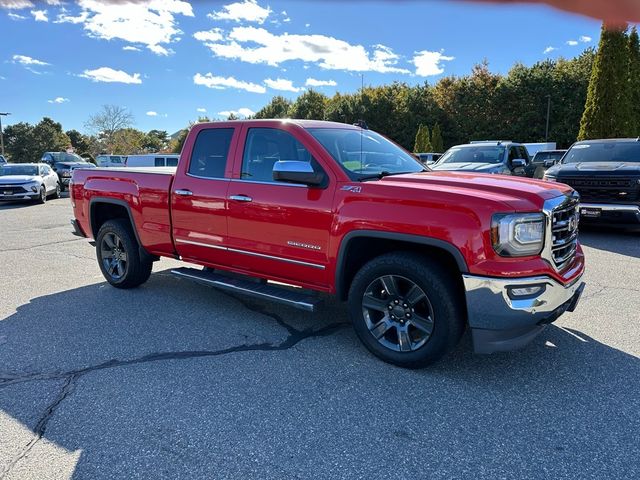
(549, 163)
(297, 172)
(517, 163)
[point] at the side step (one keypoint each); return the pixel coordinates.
(264, 291)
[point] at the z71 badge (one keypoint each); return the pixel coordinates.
(352, 188)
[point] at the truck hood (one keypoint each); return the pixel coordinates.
(18, 179)
(72, 165)
(519, 193)
(468, 166)
(599, 168)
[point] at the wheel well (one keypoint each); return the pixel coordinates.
(361, 250)
(103, 212)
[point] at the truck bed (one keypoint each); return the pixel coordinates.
(143, 192)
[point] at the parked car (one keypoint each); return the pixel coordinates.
(606, 174)
(63, 164)
(2, 160)
(152, 160)
(108, 161)
(28, 181)
(335, 208)
(428, 158)
(541, 161)
(499, 157)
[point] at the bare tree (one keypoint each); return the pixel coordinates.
(108, 121)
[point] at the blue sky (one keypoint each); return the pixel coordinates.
(169, 61)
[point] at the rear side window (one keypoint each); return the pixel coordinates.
(159, 162)
(172, 162)
(209, 156)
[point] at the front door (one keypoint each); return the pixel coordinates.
(199, 195)
(280, 230)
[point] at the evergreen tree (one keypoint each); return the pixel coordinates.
(426, 140)
(417, 146)
(634, 82)
(607, 111)
(436, 139)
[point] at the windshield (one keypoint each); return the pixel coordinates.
(479, 154)
(540, 157)
(604, 152)
(365, 152)
(18, 170)
(66, 157)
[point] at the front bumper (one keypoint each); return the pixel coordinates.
(64, 180)
(20, 196)
(610, 213)
(77, 229)
(502, 321)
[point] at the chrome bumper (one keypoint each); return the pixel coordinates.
(612, 207)
(500, 320)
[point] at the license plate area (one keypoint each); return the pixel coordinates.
(590, 212)
(7, 192)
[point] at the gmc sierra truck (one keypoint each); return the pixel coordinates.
(282, 209)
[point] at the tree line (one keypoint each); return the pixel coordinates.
(594, 95)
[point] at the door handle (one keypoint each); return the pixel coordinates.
(184, 193)
(240, 198)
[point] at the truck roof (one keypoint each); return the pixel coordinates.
(299, 122)
(609, 140)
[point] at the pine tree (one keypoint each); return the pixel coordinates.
(417, 146)
(426, 145)
(436, 139)
(634, 82)
(607, 110)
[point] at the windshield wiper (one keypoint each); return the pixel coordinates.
(384, 173)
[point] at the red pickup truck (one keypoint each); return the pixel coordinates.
(328, 207)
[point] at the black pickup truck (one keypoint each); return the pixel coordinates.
(606, 174)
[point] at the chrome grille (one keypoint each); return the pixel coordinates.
(564, 232)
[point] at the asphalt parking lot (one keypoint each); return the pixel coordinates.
(176, 380)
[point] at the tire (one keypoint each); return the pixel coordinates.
(406, 326)
(119, 257)
(43, 195)
(56, 194)
(61, 187)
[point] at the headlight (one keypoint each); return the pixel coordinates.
(518, 234)
(549, 178)
(34, 186)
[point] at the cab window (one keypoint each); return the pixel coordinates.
(266, 146)
(210, 151)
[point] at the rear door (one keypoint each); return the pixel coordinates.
(199, 194)
(280, 230)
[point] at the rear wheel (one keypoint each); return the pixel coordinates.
(406, 309)
(119, 255)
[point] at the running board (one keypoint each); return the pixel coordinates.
(263, 291)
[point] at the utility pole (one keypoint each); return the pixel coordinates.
(2, 114)
(546, 132)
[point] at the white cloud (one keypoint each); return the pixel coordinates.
(109, 75)
(39, 15)
(281, 84)
(58, 100)
(307, 25)
(430, 63)
(222, 83)
(248, 10)
(572, 43)
(201, 110)
(585, 39)
(286, 19)
(257, 45)
(213, 35)
(15, 16)
(151, 113)
(151, 23)
(130, 48)
(241, 112)
(549, 50)
(15, 4)
(312, 82)
(28, 61)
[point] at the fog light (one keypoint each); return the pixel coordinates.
(34, 189)
(525, 292)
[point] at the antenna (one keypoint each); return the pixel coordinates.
(361, 122)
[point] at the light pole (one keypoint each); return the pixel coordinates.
(546, 132)
(2, 114)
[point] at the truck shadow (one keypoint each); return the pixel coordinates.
(621, 241)
(195, 374)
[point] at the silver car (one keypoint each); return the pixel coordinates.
(28, 181)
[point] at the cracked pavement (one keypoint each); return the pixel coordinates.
(177, 380)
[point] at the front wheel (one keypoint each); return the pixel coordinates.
(406, 309)
(42, 197)
(56, 194)
(119, 256)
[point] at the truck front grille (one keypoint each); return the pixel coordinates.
(564, 233)
(605, 189)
